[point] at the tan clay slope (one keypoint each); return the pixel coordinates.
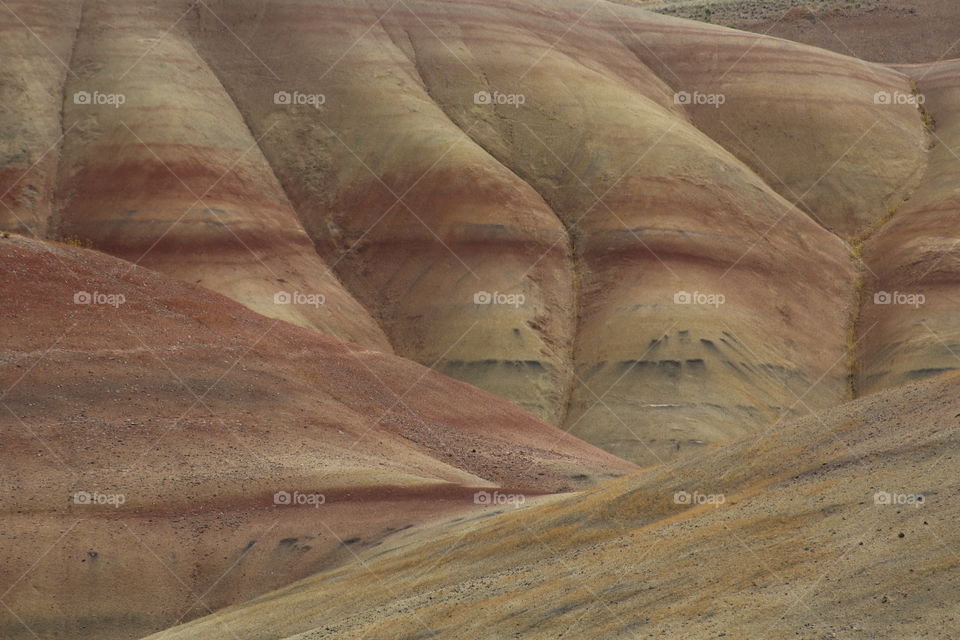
(909, 320)
(809, 121)
(651, 205)
(36, 38)
(156, 164)
(540, 250)
(198, 411)
(811, 531)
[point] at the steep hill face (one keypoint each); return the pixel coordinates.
(164, 173)
(632, 226)
(909, 321)
(36, 38)
(167, 452)
(841, 525)
(590, 131)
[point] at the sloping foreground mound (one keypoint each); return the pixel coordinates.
(167, 451)
(630, 225)
(842, 525)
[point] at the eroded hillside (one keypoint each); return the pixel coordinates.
(633, 226)
(149, 427)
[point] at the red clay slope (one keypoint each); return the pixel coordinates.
(198, 411)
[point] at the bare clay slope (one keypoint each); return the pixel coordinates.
(910, 325)
(159, 168)
(821, 533)
(36, 38)
(599, 156)
(198, 411)
(547, 202)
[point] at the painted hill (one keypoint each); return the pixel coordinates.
(634, 227)
(164, 448)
